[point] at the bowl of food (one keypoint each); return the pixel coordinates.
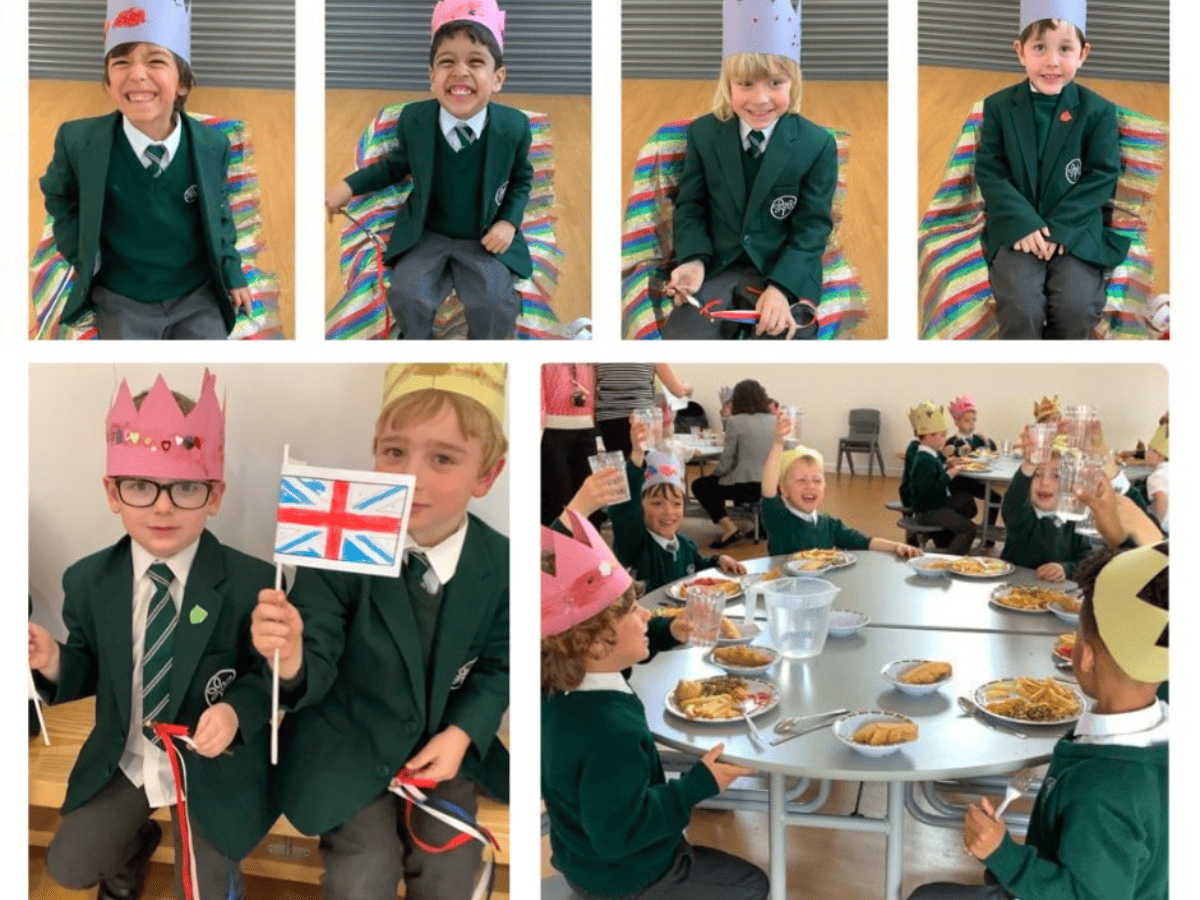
(1066, 608)
(722, 698)
(1064, 649)
(845, 622)
(731, 587)
(742, 659)
(917, 677)
(875, 732)
(932, 565)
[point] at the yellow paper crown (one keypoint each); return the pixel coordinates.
(1046, 408)
(482, 382)
(797, 453)
(927, 418)
(1133, 629)
(1160, 443)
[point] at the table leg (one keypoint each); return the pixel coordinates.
(894, 865)
(987, 507)
(776, 828)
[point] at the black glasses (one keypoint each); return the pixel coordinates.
(141, 492)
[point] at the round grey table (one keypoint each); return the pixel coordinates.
(846, 675)
(893, 595)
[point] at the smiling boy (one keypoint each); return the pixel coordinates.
(1047, 168)
(138, 197)
(384, 674)
(460, 227)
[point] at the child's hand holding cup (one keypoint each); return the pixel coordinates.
(614, 460)
(602, 488)
(705, 605)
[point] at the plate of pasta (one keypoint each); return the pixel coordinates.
(730, 586)
(818, 560)
(720, 699)
(1030, 701)
(981, 567)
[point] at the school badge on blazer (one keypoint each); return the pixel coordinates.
(1074, 170)
(191, 194)
(500, 192)
(782, 207)
(461, 675)
(214, 690)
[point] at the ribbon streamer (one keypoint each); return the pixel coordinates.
(166, 733)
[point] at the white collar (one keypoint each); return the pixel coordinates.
(139, 141)
(671, 545)
(604, 681)
(476, 123)
(442, 558)
(180, 564)
(1140, 728)
(744, 130)
(811, 517)
(963, 436)
(1045, 513)
(925, 448)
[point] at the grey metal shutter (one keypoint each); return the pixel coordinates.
(384, 44)
(235, 43)
(1129, 41)
(841, 40)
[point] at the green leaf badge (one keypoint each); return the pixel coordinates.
(198, 615)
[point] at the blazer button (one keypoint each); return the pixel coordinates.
(383, 771)
(746, 239)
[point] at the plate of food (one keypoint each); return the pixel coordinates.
(819, 559)
(974, 465)
(845, 622)
(931, 565)
(875, 732)
(917, 676)
(1064, 648)
(1030, 701)
(731, 586)
(742, 659)
(730, 631)
(1066, 607)
(720, 698)
(981, 567)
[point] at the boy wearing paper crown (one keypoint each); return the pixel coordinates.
(646, 534)
(159, 630)
(755, 199)
(138, 196)
(926, 483)
(793, 487)
(1047, 167)
(468, 158)
(1099, 826)
(964, 442)
(616, 824)
(384, 674)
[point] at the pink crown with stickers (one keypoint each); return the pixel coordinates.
(580, 576)
(160, 440)
(484, 12)
(761, 26)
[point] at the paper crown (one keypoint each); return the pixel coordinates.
(761, 26)
(160, 440)
(927, 418)
(1133, 629)
(583, 576)
(961, 404)
(167, 23)
(662, 468)
(1160, 442)
(482, 382)
(483, 12)
(1074, 11)
(1046, 408)
(798, 453)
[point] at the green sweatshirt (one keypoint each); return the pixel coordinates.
(1032, 541)
(1098, 830)
(928, 483)
(615, 821)
(788, 533)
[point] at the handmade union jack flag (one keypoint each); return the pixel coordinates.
(342, 519)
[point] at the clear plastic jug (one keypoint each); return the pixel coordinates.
(798, 614)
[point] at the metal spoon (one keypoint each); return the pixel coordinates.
(971, 708)
(783, 726)
(775, 742)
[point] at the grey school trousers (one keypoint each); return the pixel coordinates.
(96, 842)
(700, 873)
(944, 890)
(1059, 299)
(192, 317)
(425, 275)
(366, 856)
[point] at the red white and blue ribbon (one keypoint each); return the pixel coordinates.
(412, 790)
(168, 733)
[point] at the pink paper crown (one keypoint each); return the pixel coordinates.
(485, 12)
(586, 577)
(167, 23)
(961, 404)
(160, 441)
(762, 26)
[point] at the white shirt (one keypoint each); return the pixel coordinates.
(811, 517)
(139, 142)
(744, 130)
(443, 558)
(671, 545)
(448, 123)
(604, 681)
(1140, 728)
(144, 764)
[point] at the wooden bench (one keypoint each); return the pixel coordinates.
(285, 853)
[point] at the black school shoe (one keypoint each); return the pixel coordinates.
(129, 884)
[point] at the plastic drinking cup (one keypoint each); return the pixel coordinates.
(613, 460)
(705, 606)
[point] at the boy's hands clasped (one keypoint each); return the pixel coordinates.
(276, 625)
(1039, 244)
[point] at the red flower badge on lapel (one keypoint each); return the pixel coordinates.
(1066, 116)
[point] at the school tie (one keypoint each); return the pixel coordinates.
(672, 547)
(757, 139)
(159, 647)
(155, 153)
(466, 136)
(418, 575)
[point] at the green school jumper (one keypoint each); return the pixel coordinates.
(788, 533)
(928, 485)
(1034, 541)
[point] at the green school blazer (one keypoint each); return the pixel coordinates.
(507, 177)
(782, 221)
(214, 661)
(74, 191)
(1065, 188)
(366, 702)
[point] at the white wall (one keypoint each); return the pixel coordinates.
(325, 412)
(1129, 398)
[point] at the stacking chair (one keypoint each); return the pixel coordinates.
(53, 276)
(362, 312)
(863, 438)
(955, 296)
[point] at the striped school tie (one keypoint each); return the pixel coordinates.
(155, 153)
(757, 139)
(159, 647)
(466, 136)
